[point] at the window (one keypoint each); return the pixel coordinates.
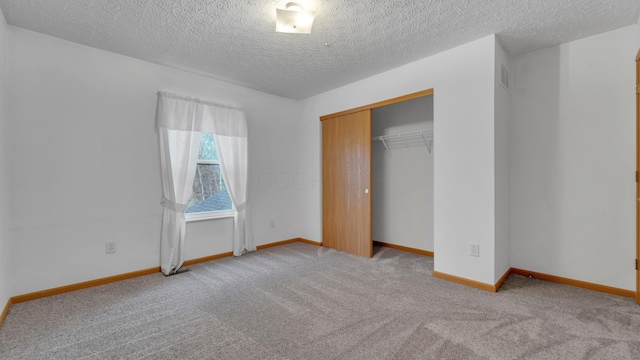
(209, 197)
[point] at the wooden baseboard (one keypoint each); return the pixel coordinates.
(576, 283)
(404, 248)
(82, 285)
(437, 274)
(502, 280)
(91, 283)
(290, 241)
(465, 281)
(310, 242)
(537, 275)
(5, 312)
(207, 258)
(473, 283)
(259, 247)
(278, 243)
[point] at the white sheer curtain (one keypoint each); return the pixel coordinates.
(181, 120)
(178, 163)
(231, 141)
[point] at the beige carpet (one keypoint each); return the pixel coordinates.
(303, 302)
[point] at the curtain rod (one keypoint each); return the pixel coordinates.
(197, 100)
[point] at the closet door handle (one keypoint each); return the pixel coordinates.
(366, 191)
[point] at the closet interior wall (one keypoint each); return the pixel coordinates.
(402, 176)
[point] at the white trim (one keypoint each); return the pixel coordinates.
(209, 215)
(208, 162)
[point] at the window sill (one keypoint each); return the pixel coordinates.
(210, 215)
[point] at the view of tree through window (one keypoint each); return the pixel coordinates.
(209, 192)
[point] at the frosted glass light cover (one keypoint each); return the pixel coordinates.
(294, 22)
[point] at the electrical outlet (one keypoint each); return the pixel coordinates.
(474, 249)
(111, 247)
(272, 224)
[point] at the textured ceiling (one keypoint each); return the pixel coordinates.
(235, 40)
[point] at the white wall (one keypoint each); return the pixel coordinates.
(502, 184)
(402, 188)
(84, 166)
(638, 34)
(5, 256)
(572, 142)
(464, 205)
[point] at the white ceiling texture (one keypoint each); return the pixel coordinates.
(235, 40)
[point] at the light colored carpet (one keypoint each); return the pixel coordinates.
(303, 302)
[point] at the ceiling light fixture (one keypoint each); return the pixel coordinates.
(293, 19)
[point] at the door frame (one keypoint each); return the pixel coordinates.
(380, 104)
(637, 170)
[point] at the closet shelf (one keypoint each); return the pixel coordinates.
(407, 139)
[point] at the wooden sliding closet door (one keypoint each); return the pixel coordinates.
(346, 183)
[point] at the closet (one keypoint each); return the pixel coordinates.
(357, 192)
(402, 173)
